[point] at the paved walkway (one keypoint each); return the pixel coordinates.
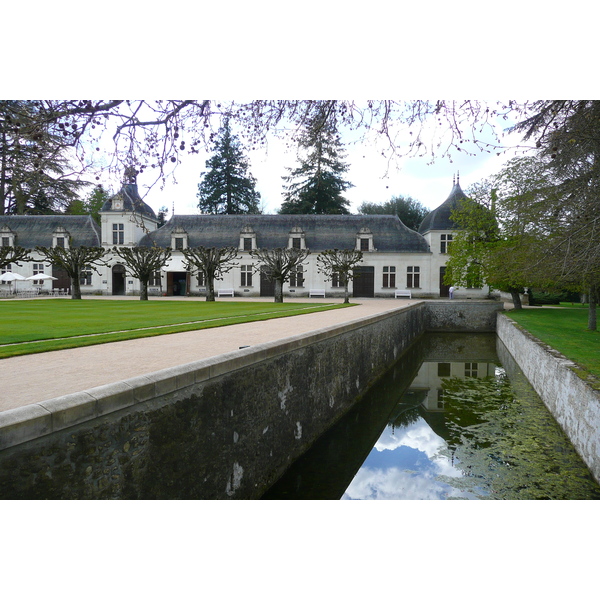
(36, 377)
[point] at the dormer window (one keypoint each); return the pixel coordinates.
(364, 240)
(247, 239)
(296, 239)
(179, 239)
(7, 236)
(60, 238)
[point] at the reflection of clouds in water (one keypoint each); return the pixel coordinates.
(420, 437)
(395, 483)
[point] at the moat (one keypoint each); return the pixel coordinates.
(448, 421)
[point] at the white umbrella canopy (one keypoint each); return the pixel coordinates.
(40, 276)
(9, 277)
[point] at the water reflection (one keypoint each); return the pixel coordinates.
(456, 428)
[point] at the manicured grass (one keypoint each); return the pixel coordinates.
(565, 330)
(30, 326)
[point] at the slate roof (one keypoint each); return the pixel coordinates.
(37, 230)
(132, 201)
(439, 218)
(322, 232)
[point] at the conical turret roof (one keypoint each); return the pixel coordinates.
(439, 218)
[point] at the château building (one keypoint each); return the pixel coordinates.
(394, 256)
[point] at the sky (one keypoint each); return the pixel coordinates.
(374, 177)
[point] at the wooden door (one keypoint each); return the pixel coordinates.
(364, 282)
(267, 287)
(444, 289)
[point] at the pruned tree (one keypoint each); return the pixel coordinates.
(410, 211)
(143, 262)
(212, 263)
(278, 264)
(13, 254)
(74, 261)
(339, 264)
(228, 187)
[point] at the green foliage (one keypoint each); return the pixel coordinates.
(227, 187)
(503, 230)
(91, 205)
(410, 211)
(317, 185)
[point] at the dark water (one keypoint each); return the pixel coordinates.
(448, 421)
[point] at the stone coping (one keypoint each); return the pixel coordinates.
(25, 423)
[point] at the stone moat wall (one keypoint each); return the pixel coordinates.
(574, 404)
(219, 428)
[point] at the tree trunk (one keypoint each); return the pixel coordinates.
(592, 310)
(210, 290)
(144, 290)
(75, 288)
(516, 298)
(346, 294)
(278, 290)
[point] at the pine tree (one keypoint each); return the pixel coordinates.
(228, 187)
(317, 185)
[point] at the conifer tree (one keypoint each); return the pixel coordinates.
(228, 187)
(317, 185)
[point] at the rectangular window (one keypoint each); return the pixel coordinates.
(178, 243)
(85, 277)
(441, 399)
(337, 280)
(445, 241)
(470, 369)
(246, 276)
(247, 244)
(413, 277)
(443, 369)
(296, 242)
(118, 234)
(364, 244)
(155, 279)
(6, 241)
(6, 269)
(297, 277)
(38, 268)
(201, 279)
(60, 242)
(389, 277)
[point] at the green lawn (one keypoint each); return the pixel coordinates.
(30, 326)
(565, 329)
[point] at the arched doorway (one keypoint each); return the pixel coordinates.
(118, 280)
